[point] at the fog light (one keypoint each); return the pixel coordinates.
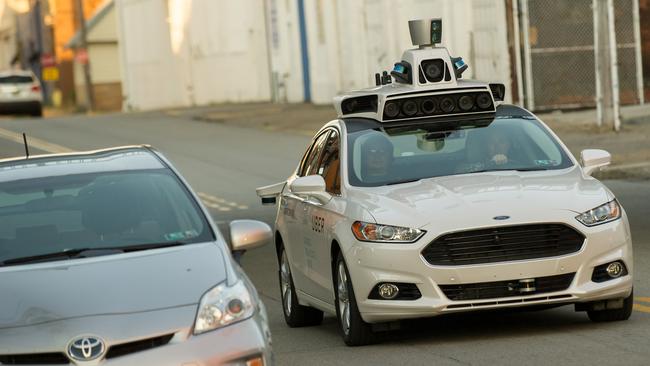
(388, 291)
(614, 269)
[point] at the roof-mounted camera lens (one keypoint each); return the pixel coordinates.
(429, 105)
(433, 70)
(410, 108)
(447, 105)
(466, 102)
(391, 110)
(484, 101)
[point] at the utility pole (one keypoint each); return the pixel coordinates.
(86, 64)
(605, 49)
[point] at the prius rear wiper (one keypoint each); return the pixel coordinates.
(86, 253)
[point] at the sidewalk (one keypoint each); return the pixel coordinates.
(630, 148)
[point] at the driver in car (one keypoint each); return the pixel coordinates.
(377, 154)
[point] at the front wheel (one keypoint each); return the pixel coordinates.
(295, 315)
(356, 332)
(612, 315)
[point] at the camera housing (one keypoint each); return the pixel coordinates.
(427, 85)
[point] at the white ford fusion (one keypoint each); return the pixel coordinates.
(427, 196)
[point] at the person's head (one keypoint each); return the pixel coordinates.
(377, 155)
(498, 143)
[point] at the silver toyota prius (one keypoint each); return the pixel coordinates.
(108, 257)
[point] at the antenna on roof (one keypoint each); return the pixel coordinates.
(26, 147)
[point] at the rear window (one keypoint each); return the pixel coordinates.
(15, 79)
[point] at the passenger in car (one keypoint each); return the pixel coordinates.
(498, 148)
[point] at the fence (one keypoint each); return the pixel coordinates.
(559, 56)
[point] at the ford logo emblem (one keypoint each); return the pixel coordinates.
(86, 348)
(501, 217)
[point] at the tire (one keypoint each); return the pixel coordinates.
(37, 112)
(355, 331)
(613, 315)
(295, 315)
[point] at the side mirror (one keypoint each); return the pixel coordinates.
(593, 159)
(311, 186)
(249, 234)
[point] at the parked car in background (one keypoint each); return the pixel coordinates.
(20, 93)
(108, 257)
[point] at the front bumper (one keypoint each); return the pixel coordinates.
(373, 263)
(232, 345)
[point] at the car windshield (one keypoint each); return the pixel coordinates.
(402, 154)
(118, 210)
(15, 79)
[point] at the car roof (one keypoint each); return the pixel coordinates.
(6, 73)
(124, 158)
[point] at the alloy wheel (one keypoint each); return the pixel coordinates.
(343, 298)
(285, 283)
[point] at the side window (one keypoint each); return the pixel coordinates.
(329, 167)
(311, 162)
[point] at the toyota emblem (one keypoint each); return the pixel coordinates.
(86, 348)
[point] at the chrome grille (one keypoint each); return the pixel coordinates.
(501, 244)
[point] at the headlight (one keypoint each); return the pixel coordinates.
(364, 231)
(601, 214)
(222, 306)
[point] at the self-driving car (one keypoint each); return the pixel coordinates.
(108, 257)
(429, 195)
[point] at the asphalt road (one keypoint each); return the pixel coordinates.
(225, 164)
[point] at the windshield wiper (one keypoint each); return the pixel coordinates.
(87, 252)
(402, 181)
(506, 169)
(66, 254)
(139, 247)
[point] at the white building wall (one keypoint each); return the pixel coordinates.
(150, 69)
(7, 35)
(490, 54)
(192, 52)
(350, 40)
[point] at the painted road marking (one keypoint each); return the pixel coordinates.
(219, 203)
(642, 308)
(34, 142)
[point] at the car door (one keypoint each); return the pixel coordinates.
(293, 210)
(323, 218)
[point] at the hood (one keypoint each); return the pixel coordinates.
(113, 284)
(451, 202)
